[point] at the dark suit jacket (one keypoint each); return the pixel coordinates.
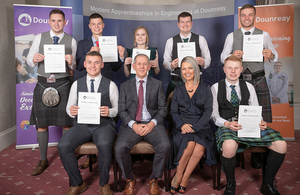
(155, 100)
(83, 47)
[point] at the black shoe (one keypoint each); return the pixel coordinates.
(268, 189)
(230, 188)
(255, 161)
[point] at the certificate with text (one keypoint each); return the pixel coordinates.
(249, 118)
(54, 60)
(89, 112)
(252, 47)
(136, 52)
(185, 49)
(108, 48)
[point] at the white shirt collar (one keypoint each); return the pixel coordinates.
(60, 35)
(97, 79)
(189, 36)
(228, 84)
(138, 79)
(251, 30)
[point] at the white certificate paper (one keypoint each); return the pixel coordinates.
(136, 52)
(54, 58)
(185, 49)
(89, 112)
(108, 48)
(249, 118)
(252, 48)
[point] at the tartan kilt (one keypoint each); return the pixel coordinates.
(267, 137)
(43, 116)
(263, 96)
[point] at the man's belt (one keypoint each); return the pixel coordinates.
(44, 79)
(252, 76)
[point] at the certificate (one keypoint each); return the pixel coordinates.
(252, 48)
(249, 118)
(185, 49)
(108, 48)
(89, 112)
(54, 58)
(136, 52)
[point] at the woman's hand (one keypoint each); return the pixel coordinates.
(186, 128)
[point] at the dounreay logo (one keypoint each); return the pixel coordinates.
(25, 19)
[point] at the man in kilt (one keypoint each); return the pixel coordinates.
(227, 95)
(52, 89)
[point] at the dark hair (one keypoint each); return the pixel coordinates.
(57, 11)
(184, 15)
(247, 6)
(95, 15)
(17, 63)
(94, 53)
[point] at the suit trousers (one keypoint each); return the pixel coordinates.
(127, 138)
(103, 136)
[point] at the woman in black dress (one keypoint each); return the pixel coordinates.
(192, 137)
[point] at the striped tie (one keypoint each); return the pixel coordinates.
(234, 97)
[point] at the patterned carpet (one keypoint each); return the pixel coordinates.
(16, 166)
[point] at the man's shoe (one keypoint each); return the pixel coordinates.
(105, 190)
(77, 189)
(230, 188)
(153, 187)
(86, 163)
(129, 188)
(268, 189)
(43, 164)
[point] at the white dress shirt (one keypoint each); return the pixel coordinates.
(227, 50)
(218, 120)
(113, 95)
(169, 48)
(36, 44)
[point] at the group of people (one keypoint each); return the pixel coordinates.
(141, 105)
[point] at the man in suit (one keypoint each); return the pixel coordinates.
(142, 108)
(84, 46)
(102, 134)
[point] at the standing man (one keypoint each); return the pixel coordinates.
(52, 90)
(96, 25)
(228, 94)
(278, 83)
(253, 72)
(171, 60)
(102, 135)
(142, 108)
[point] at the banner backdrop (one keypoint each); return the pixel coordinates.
(29, 21)
(278, 21)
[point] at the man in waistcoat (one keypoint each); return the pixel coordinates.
(171, 60)
(52, 89)
(228, 94)
(102, 135)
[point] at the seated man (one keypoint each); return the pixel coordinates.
(227, 95)
(102, 135)
(142, 108)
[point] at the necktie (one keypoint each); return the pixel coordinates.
(234, 96)
(97, 43)
(185, 40)
(139, 109)
(92, 85)
(55, 40)
(247, 33)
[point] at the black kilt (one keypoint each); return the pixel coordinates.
(43, 116)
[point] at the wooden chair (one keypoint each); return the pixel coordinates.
(261, 150)
(90, 149)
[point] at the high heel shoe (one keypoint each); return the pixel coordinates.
(173, 189)
(181, 189)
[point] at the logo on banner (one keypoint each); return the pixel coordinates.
(25, 125)
(25, 19)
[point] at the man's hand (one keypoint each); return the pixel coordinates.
(174, 63)
(267, 53)
(200, 61)
(69, 58)
(128, 61)
(238, 53)
(38, 58)
(186, 128)
(147, 128)
(74, 110)
(121, 51)
(234, 126)
(138, 128)
(263, 125)
(104, 110)
(95, 48)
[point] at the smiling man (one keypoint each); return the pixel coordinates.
(102, 135)
(171, 60)
(48, 109)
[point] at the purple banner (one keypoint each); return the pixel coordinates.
(29, 21)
